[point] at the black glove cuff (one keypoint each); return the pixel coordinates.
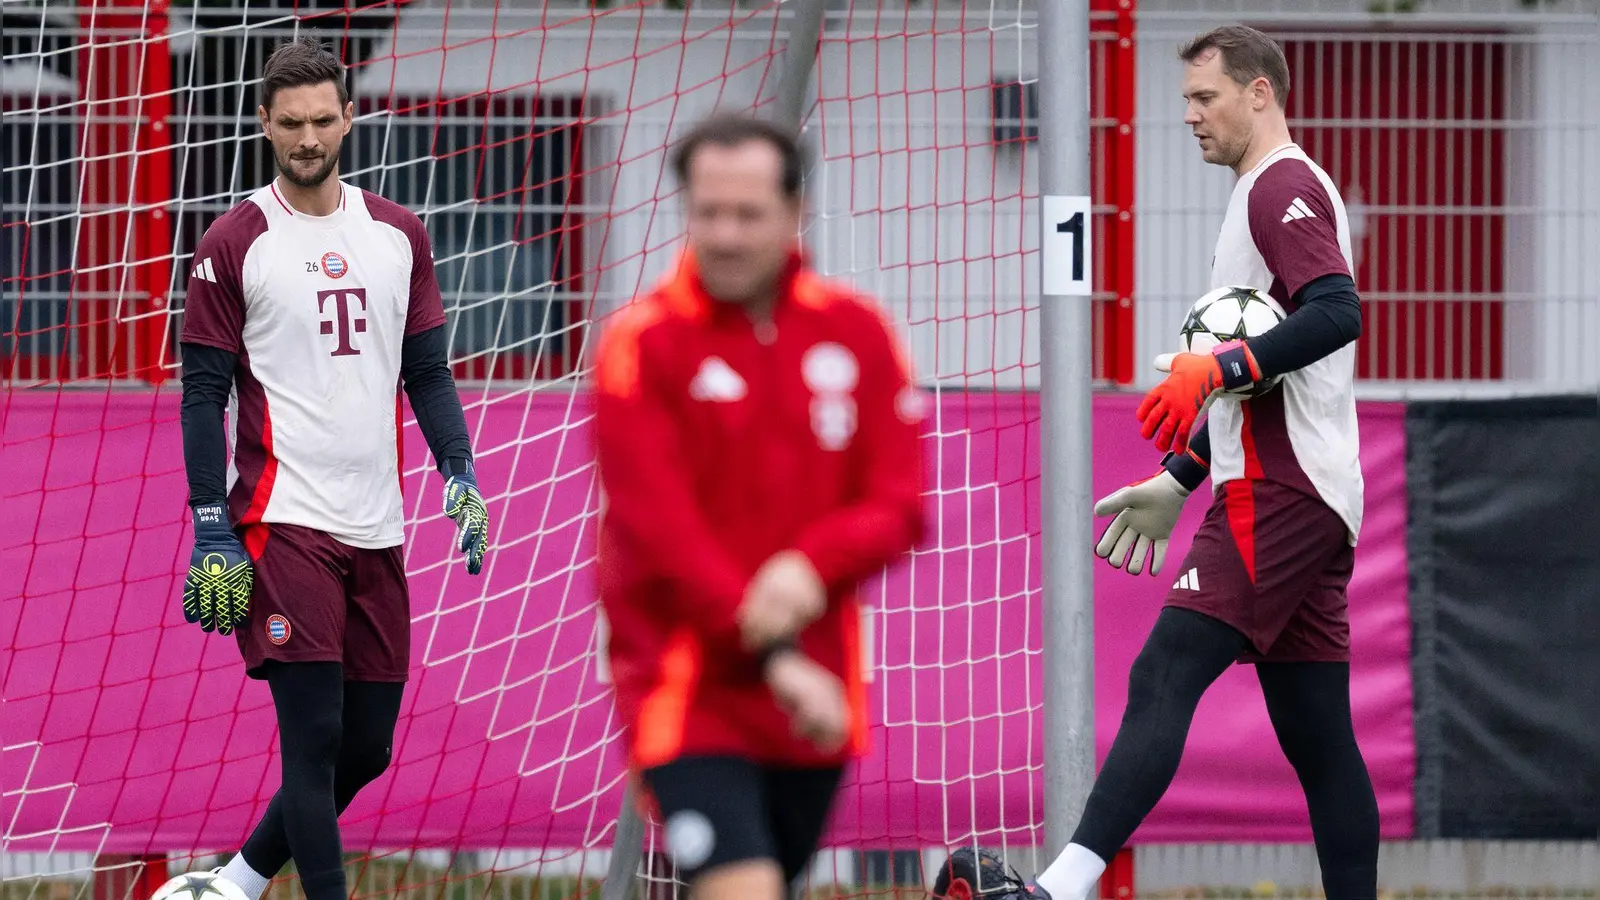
(1238, 366)
(455, 466)
(211, 519)
(1189, 471)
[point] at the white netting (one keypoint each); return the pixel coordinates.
(531, 139)
(532, 143)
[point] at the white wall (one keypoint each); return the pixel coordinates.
(908, 199)
(911, 202)
(1566, 238)
(642, 69)
(914, 203)
(1179, 199)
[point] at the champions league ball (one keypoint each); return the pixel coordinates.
(1231, 313)
(199, 886)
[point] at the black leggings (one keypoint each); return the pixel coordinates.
(1309, 704)
(336, 738)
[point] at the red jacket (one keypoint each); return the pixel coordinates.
(719, 444)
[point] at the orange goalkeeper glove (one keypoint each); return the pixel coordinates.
(1168, 412)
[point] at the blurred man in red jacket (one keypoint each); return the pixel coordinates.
(757, 435)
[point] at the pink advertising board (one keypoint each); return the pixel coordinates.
(127, 730)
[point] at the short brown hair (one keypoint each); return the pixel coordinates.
(732, 129)
(1247, 54)
(298, 63)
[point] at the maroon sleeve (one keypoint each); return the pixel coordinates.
(646, 481)
(885, 518)
(1292, 222)
(426, 307)
(213, 305)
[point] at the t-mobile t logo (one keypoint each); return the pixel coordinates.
(345, 319)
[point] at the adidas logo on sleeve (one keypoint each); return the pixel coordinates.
(1298, 210)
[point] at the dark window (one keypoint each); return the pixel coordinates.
(1015, 111)
(495, 180)
(38, 190)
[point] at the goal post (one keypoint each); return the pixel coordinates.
(531, 140)
(1066, 376)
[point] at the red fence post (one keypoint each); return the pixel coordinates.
(125, 168)
(152, 219)
(1117, 882)
(1122, 101)
(120, 876)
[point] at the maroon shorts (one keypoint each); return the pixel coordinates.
(319, 600)
(1274, 563)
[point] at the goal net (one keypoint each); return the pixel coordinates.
(531, 139)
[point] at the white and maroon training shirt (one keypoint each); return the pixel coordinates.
(1285, 227)
(316, 308)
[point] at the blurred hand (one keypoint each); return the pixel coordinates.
(784, 597)
(813, 697)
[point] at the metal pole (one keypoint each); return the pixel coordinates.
(627, 848)
(799, 57)
(1065, 401)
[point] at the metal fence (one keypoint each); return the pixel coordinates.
(498, 181)
(1463, 144)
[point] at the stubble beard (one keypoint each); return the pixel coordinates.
(315, 179)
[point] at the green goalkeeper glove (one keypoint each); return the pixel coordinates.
(464, 504)
(216, 593)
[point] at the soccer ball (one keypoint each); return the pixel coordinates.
(1231, 313)
(199, 886)
(971, 874)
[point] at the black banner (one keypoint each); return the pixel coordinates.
(1504, 546)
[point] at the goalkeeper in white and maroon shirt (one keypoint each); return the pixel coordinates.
(1264, 580)
(311, 302)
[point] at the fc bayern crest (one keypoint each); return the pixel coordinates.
(278, 630)
(829, 368)
(334, 265)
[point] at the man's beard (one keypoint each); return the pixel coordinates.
(286, 167)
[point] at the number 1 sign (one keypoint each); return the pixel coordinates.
(1065, 245)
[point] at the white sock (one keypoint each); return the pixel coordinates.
(253, 883)
(1073, 875)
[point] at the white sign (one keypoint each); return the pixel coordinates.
(1065, 247)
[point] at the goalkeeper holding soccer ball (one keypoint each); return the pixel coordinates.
(757, 435)
(1265, 578)
(310, 302)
